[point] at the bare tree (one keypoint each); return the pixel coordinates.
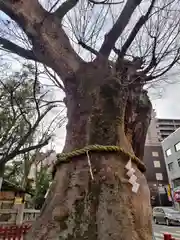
(130, 43)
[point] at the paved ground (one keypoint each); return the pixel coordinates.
(160, 229)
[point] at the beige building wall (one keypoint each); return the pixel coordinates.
(152, 138)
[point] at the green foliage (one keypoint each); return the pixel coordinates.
(17, 173)
(21, 112)
(14, 172)
(23, 105)
(16, 107)
(42, 185)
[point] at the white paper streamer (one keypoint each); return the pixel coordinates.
(133, 179)
(129, 165)
(130, 172)
(132, 176)
(135, 187)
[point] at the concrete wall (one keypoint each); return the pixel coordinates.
(169, 143)
(152, 138)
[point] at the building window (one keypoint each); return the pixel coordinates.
(168, 152)
(177, 146)
(178, 162)
(155, 154)
(159, 176)
(170, 166)
(157, 164)
(176, 182)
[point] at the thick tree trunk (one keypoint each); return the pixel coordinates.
(104, 208)
(2, 169)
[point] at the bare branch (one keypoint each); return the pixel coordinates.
(88, 48)
(65, 8)
(119, 26)
(38, 30)
(30, 131)
(135, 30)
(153, 61)
(54, 79)
(34, 90)
(173, 62)
(11, 47)
(105, 2)
(34, 147)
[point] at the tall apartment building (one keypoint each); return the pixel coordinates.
(152, 137)
(166, 127)
(156, 173)
(160, 128)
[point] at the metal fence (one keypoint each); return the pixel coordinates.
(13, 232)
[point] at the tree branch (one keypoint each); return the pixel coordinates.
(10, 46)
(175, 60)
(28, 149)
(119, 26)
(153, 61)
(135, 30)
(34, 127)
(104, 2)
(65, 8)
(54, 79)
(34, 90)
(37, 23)
(14, 170)
(25, 137)
(88, 48)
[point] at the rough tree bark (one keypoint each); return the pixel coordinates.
(100, 111)
(105, 208)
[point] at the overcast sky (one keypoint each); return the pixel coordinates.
(169, 105)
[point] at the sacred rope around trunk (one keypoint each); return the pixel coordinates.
(66, 157)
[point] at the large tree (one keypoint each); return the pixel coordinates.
(90, 197)
(24, 106)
